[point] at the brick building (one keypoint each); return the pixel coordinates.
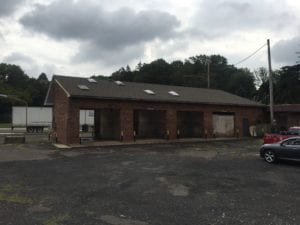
(287, 115)
(126, 111)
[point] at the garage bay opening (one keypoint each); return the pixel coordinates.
(107, 124)
(86, 122)
(189, 124)
(223, 124)
(149, 124)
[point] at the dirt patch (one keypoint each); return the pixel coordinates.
(174, 189)
(179, 190)
(38, 209)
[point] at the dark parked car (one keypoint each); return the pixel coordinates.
(288, 148)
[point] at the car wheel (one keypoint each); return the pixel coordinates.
(269, 156)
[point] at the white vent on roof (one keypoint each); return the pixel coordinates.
(120, 83)
(174, 93)
(83, 87)
(91, 80)
(150, 92)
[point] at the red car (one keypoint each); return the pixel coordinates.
(273, 138)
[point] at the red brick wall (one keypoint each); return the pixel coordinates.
(293, 119)
(60, 113)
(73, 123)
(126, 122)
(66, 115)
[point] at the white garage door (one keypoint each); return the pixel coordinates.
(223, 125)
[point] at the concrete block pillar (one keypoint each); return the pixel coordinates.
(208, 124)
(238, 125)
(171, 123)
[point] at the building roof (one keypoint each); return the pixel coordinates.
(287, 108)
(105, 89)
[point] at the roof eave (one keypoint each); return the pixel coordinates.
(166, 101)
(48, 93)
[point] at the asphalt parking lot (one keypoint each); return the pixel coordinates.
(167, 184)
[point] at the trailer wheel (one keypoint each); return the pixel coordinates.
(30, 129)
(40, 129)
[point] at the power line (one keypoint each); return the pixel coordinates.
(243, 60)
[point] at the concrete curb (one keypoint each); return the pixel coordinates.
(143, 143)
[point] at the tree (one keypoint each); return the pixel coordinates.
(158, 71)
(261, 76)
(286, 86)
(242, 84)
(43, 79)
(123, 74)
(13, 75)
(287, 89)
(14, 81)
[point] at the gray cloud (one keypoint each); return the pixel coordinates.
(16, 57)
(222, 17)
(284, 51)
(28, 64)
(100, 32)
(109, 57)
(1, 39)
(9, 6)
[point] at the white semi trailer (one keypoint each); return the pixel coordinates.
(35, 119)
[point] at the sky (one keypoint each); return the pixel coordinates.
(93, 37)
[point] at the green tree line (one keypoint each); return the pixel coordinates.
(192, 72)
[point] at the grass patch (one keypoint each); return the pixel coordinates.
(10, 193)
(10, 188)
(57, 220)
(15, 198)
(5, 125)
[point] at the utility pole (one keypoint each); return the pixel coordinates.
(208, 72)
(270, 85)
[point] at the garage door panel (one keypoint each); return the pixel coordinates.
(223, 125)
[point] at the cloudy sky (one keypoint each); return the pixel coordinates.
(86, 37)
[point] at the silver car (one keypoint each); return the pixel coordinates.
(287, 149)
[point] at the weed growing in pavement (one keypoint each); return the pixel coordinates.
(10, 193)
(57, 220)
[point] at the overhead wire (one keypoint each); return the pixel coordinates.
(252, 54)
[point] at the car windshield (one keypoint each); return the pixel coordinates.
(294, 132)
